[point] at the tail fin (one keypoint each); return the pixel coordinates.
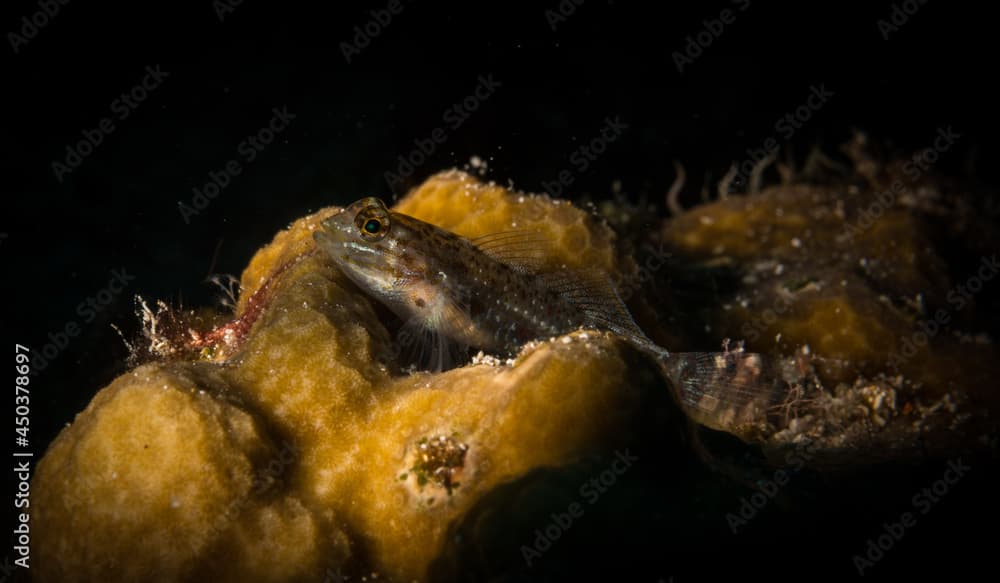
(731, 391)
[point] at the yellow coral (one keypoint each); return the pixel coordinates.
(818, 275)
(298, 455)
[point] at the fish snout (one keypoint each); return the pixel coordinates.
(337, 225)
(333, 235)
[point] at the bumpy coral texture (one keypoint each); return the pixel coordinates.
(305, 454)
(860, 291)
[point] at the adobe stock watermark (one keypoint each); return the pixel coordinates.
(122, 107)
(899, 15)
(262, 480)
(590, 491)
(711, 30)
(627, 285)
(583, 157)
(922, 502)
(787, 295)
(562, 12)
(785, 126)
(331, 575)
(752, 330)
(248, 150)
(87, 310)
(767, 489)
(959, 297)
(224, 8)
(365, 33)
(453, 117)
(914, 168)
(6, 569)
(32, 24)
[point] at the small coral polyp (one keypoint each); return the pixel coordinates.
(438, 465)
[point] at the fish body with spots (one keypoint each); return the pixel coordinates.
(446, 283)
(491, 294)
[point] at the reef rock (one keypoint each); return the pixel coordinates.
(292, 443)
(295, 449)
(852, 281)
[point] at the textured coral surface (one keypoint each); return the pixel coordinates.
(306, 453)
(868, 289)
(293, 445)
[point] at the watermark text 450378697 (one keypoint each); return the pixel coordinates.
(22, 455)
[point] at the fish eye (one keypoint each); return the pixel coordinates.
(372, 222)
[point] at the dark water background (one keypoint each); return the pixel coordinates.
(119, 208)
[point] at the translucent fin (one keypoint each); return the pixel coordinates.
(522, 249)
(427, 349)
(729, 391)
(438, 328)
(593, 293)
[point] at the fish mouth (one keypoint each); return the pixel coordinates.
(332, 236)
(342, 247)
(335, 230)
(338, 223)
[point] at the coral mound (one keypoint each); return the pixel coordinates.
(296, 450)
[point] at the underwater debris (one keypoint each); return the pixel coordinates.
(229, 286)
(166, 333)
(807, 264)
(170, 333)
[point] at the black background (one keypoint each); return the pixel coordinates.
(119, 209)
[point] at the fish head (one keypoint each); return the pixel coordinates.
(365, 242)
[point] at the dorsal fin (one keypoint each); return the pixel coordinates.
(523, 249)
(589, 290)
(593, 293)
